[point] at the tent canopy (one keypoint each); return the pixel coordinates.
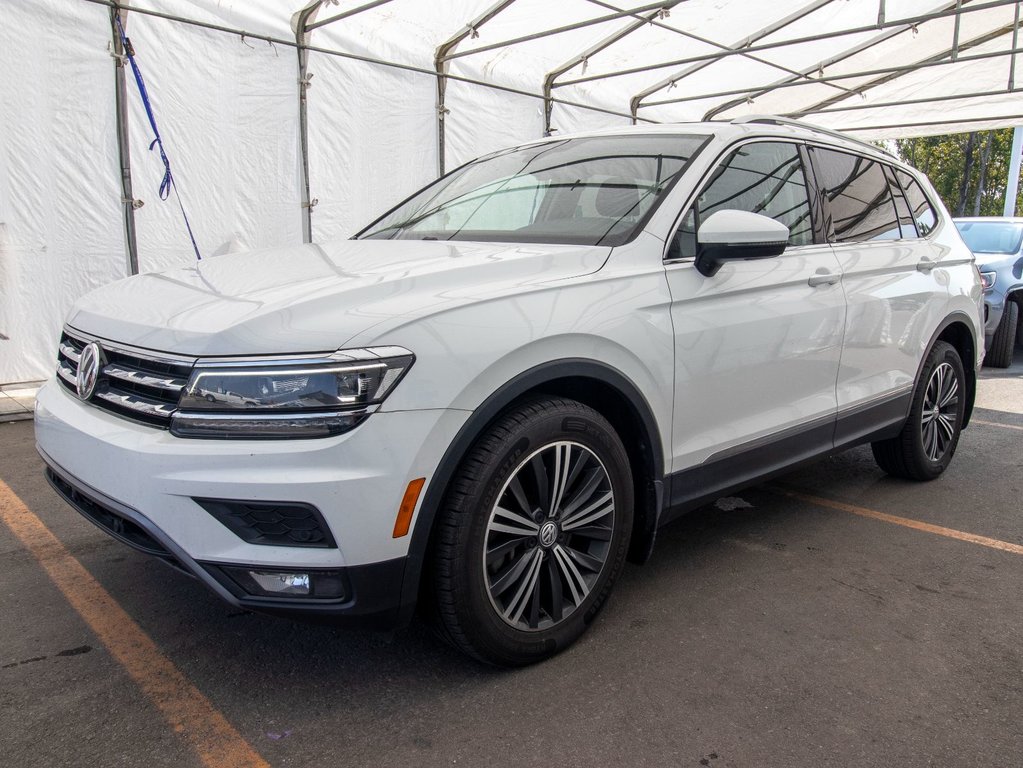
(287, 124)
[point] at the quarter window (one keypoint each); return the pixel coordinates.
(860, 201)
(765, 178)
(923, 212)
(906, 223)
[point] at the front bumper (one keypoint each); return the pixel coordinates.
(126, 476)
(371, 595)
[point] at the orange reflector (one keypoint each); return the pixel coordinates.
(408, 506)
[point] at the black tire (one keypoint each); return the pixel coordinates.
(999, 355)
(911, 454)
(1019, 327)
(464, 576)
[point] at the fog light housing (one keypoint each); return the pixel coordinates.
(282, 583)
(305, 584)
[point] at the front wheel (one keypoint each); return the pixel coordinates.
(924, 448)
(533, 533)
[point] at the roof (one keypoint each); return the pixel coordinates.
(759, 125)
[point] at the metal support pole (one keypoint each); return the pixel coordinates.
(1012, 59)
(128, 202)
(955, 30)
(300, 22)
(1012, 188)
(441, 60)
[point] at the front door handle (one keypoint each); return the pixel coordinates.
(823, 277)
(925, 265)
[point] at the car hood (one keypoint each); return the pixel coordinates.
(987, 262)
(314, 298)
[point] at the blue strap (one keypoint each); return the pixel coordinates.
(168, 180)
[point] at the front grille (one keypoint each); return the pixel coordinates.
(135, 384)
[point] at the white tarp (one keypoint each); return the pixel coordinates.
(228, 107)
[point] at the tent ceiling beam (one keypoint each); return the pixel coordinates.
(670, 82)
(346, 14)
(865, 73)
(1005, 120)
(562, 29)
(830, 61)
(904, 23)
(902, 102)
(550, 78)
(948, 56)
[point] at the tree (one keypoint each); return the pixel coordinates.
(969, 171)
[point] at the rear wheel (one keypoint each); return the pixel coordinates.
(924, 448)
(533, 533)
(1000, 353)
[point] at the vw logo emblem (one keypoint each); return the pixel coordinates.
(89, 364)
(548, 534)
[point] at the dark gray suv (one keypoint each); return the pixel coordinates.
(998, 245)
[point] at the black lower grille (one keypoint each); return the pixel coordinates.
(116, 525)
(278, 524)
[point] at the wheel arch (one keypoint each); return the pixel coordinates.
(593, 383)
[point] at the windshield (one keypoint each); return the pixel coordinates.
(586, 191)
(991, 236)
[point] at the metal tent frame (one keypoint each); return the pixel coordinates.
(758, 47)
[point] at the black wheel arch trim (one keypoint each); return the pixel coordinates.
(489, 410)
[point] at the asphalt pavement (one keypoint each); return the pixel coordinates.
(835, 617)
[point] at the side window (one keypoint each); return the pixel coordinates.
(765, 178)
(906, 223)
(857, 191)
(923, 213)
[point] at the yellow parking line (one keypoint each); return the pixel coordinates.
(996, 424)
(951, 533)
(186, 709)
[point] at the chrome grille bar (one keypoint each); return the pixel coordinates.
(136, 384)
(172, 386)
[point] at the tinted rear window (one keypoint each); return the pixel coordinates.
(861, 203)
(923, 212)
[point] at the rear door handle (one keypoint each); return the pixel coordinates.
(925, 265)
(823, 277)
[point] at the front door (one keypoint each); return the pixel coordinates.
(757, 345)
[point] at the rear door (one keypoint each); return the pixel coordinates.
(895, 297)
(757, 345)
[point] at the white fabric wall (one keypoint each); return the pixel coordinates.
(60, 216)
(228, 110)
(366, 123)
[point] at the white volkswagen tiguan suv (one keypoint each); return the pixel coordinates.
(495, 394)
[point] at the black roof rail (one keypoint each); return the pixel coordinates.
(774, 120)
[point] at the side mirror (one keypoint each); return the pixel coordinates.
(730, 235)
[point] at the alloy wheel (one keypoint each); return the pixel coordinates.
(940, 411)
(548, 536)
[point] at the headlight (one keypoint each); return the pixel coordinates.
(987, 279)
(291, 397)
